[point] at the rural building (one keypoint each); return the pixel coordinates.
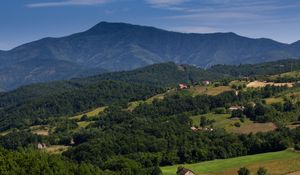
(206, 82)
(184, 171)
(233, 108)
(182, 86)
(193, 128)
(41, 146)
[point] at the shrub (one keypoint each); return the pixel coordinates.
(84, 118)
(261, 171)
(237, 124)
(243, 171)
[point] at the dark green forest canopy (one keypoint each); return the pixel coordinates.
(267, 68)
(34, 162)
(159, 134)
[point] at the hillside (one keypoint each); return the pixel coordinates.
(282, 162)
(138, 122)
(120, 46)
(59, 98)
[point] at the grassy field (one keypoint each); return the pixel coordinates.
(56, 149)
(272, 100)
(276, 163)
(89, 113)
(250, 127)
(84, 124)
(286, 75)
(208, 90)
(259, 84)
(224, 121)
(219, 118)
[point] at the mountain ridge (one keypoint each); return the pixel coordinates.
(121, 46)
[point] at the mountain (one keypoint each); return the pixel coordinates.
(120, 46)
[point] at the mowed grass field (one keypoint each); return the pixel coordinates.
(276, 163)
(224, 121)
(208, 90)
(91, 113)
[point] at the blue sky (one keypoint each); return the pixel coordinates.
(23, 21)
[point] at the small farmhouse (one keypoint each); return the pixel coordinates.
(41, 146)
(206, 82)
(233, 108)
(184, 171)
(182, 86)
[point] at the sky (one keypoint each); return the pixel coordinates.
(23, 21)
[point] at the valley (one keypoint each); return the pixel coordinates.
(159, 121)
(149, 87)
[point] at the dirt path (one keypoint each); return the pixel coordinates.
(294, 173)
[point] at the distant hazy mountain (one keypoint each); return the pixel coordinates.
(119, 46)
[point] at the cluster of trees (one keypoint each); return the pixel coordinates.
(146, 143)
(246, 171)
(36, 163)
(262, 69)
(19, 113)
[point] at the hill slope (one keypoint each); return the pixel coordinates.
(68, 97)
(120, 46)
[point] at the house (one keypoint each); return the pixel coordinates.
(206, 82)
(194, 128)
(233, 108)
(182, 86)
(184, 171)
(41, 146)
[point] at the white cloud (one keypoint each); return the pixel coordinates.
(196, 29)
(166, 2)
(67, 3)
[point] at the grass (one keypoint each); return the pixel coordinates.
(250, 127)
(211, 116)
(5, 132)
(224, 121)
(84, 124)
(281, 162)
(286, 75)
(208, 90)
(90, 113)
(133, 105)
(56, 149)
(42, 130)
(272, 100)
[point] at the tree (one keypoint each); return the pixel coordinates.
(237, 114)
(243, 171)
(203, 121)
(84, 118)
(288, 106)
(261, 171)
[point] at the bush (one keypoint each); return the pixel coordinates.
(237, 114)
(84, 118)
(243, 171)
(220, 111)
(237, 124)
(261, 171)
(297, 147)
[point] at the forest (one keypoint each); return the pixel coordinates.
(150, 135)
